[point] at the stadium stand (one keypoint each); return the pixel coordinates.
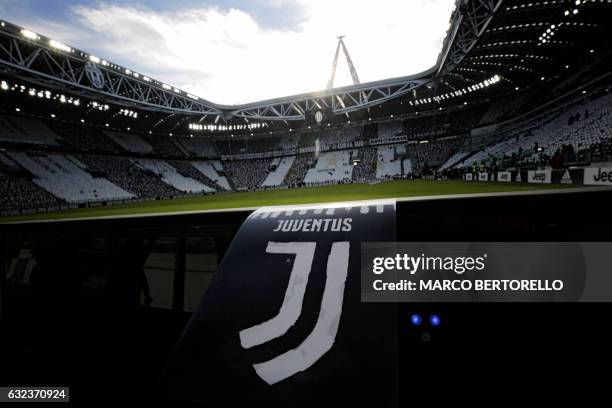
(331, 167)
(26, 130)
(66, 177)
(248, 174)
(246, 145)
(407, 167)
(585, 126)
(390, 129)
(280, 169)
(188, 170)
(130, 142)
(297, 172)
(307, 141)
(18, 192)
(289, 141)
(165, 146)
(213, 170)
(597, 152)
(170, 176)
(580, 125)
(365, 168)
(503, 108)
(343, 138)
(74, 163)
(124, 173)
(89, 139)
(387, 166)
(165, 167)
(197, 147)
(453, 160)
(431, 155)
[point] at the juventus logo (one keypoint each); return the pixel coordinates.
(94, 74)
(322, 337)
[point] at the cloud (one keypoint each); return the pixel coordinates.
(224, 54)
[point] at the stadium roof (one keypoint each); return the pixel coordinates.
(493, 47)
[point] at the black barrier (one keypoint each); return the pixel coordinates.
(282, 321)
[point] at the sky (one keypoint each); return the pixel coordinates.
(238, 51)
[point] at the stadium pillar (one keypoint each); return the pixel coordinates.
(178, 289)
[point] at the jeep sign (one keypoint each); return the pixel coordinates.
(601, 176)
(505, 176)
(539, 176)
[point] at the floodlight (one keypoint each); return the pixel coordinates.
(60, 46)
(30, 35)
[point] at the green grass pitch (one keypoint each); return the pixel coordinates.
(308, 195)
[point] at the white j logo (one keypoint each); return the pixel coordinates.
(322, 337)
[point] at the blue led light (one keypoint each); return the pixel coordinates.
(415, 319)
(434, 320)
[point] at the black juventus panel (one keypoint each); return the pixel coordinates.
(282, 322)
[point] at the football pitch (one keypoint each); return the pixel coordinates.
(306, 195)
